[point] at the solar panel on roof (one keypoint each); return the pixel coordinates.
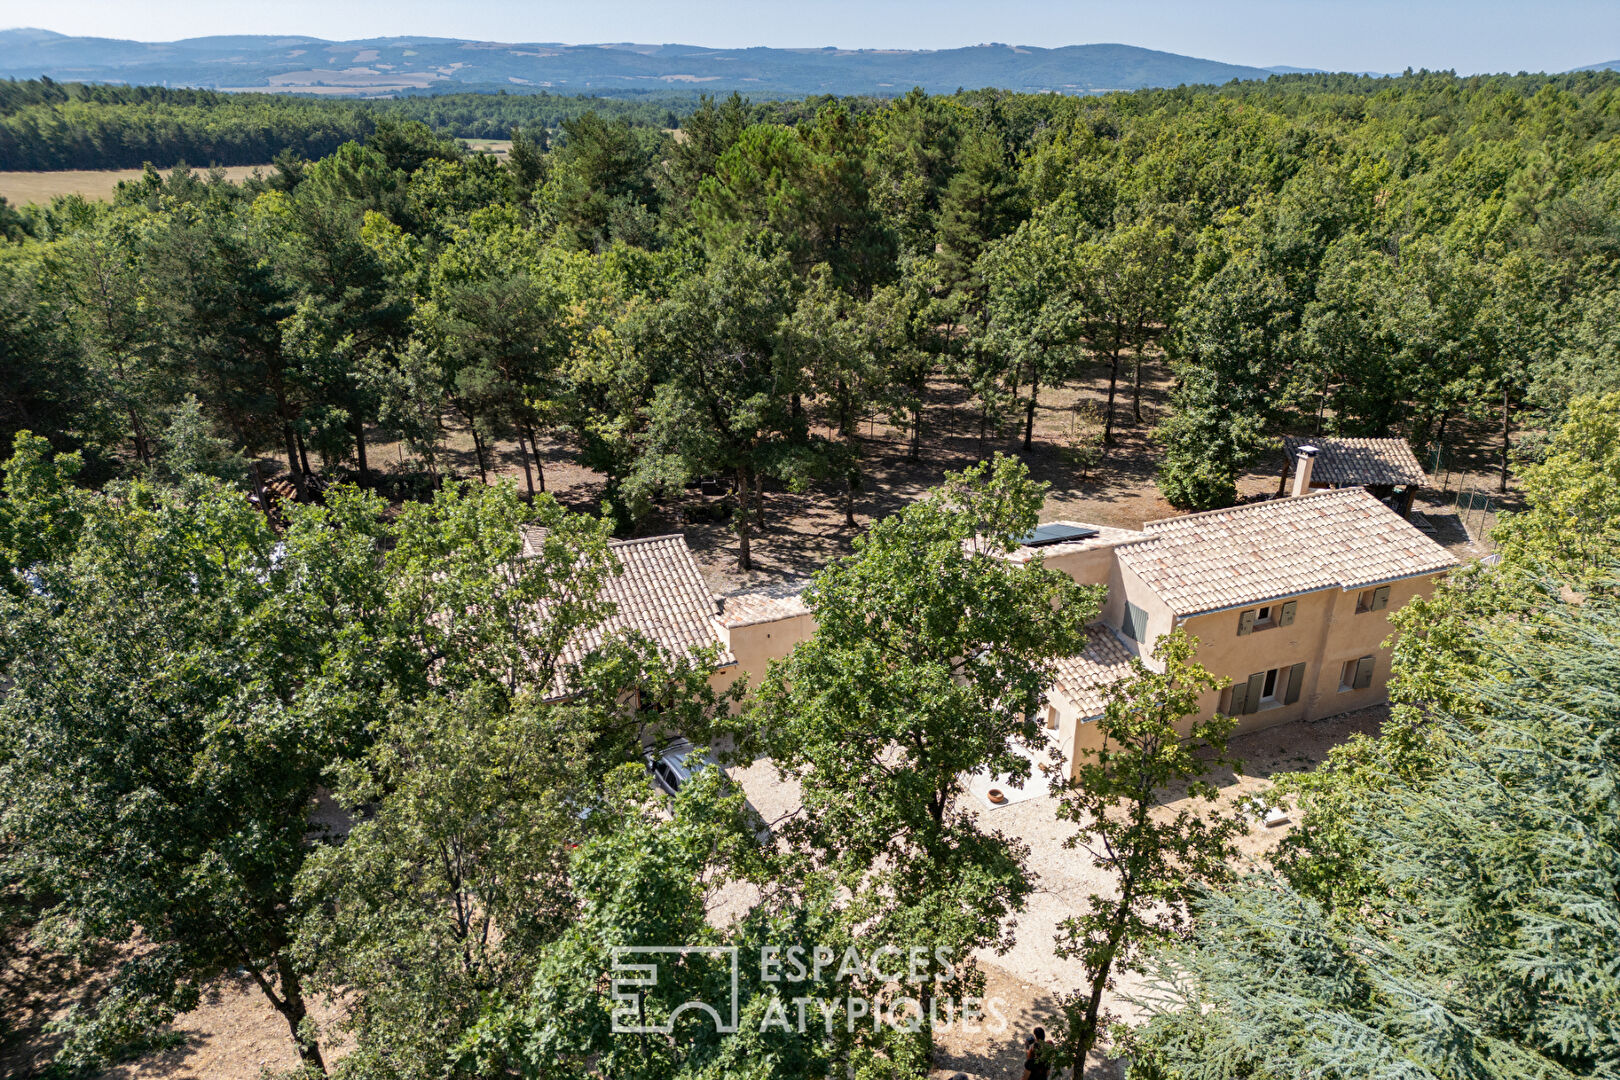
(1047, 535)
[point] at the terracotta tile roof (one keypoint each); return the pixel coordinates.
(781, 601)
(533, 537)
(1084, 679)
(659, 593)
(1344, 539)
(1360, 461)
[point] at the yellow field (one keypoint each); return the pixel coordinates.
(26, 187)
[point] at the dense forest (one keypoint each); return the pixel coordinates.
(49, 125)
(1319, 254)
(733, 298)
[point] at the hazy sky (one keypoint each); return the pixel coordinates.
(1377, 35)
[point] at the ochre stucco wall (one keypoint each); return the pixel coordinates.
(756, 645)
(1327, 631)
(1124, 585)
(1093, 566)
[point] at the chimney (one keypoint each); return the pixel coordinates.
(1302, 470)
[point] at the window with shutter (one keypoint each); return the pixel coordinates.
(1296, 679)
(1135, 626)
(1286, 616)
(1257, 684)
(1380, 598)
(1364, 673)
(1246, 624)
(1240, 699)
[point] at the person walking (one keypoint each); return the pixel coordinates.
(1036, 1066)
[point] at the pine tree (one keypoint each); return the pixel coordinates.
(1484, 940)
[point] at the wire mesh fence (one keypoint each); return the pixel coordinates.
(1477, 511)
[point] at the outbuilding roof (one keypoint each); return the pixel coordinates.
(1360, 461)
(784, 600)
(1084, 679)
(1344, 539)
(658, 592)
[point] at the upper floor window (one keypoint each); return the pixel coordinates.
(1373, 599)
(1264, 618)
(1135, 623)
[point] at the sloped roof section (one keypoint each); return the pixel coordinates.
(659, 593)
(1344, 539)
(1360, 461)
(772, 603)
(1085, 679)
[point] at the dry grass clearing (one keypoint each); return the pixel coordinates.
(19, 188)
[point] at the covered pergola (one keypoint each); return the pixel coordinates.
(1387, 468)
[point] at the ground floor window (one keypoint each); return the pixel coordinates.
(1265, 690)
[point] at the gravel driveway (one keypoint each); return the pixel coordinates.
(1029, 976)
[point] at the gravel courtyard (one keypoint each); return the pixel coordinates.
(1028, 978)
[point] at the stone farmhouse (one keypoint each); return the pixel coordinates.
(1289, 598)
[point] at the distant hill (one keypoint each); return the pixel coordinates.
(1607, 65)
(391, 65)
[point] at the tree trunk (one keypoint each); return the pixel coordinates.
(523, 454)
(293, 1009)
(539, 466)
(1108, 413)
(848, 427)
(143, 449)
(1086, 1028)
(745, 559)
(303, 455)
(1507, 430)
(360, 451)
(1136, 389)
(258, 488)
(1029, 411)
(915, 449)
(290, 444)
(478, 452)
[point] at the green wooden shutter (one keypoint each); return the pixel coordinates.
(1246, 624)
(1380, 598)
(1364, 673)
(1296, 679)
(1135, 623)
(1240, 698)
(1257, 684)
(1286, 618)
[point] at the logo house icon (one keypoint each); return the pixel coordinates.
(631, 980)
